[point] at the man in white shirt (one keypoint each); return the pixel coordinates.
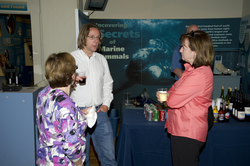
(97, 92)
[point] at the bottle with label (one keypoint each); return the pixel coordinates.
(221, 113)
(227, 113)
(215, 111)
(247, 108)
(230, 105)
(240, 110)
(222, 93)
(235, 106)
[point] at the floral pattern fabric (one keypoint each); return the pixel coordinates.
(61, 127)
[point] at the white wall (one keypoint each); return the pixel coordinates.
(58, 25)
(170, 9)
(245, 8)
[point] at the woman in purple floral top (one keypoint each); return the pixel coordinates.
(60, 122)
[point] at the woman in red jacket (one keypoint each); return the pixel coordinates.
(189, 98)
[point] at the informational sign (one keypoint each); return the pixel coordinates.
(16, 46)
(139, 51)
(17, 6)
(244, 58)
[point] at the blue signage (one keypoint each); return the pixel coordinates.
(18, 6)
(139, 51)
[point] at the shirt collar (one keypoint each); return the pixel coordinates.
(188, 67)
(86, 56)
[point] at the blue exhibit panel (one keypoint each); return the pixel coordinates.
(18, 137)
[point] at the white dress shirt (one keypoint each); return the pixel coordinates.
(99, 83)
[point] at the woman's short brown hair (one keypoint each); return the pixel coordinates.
(84, 32)
(59, 69)
(202, 44)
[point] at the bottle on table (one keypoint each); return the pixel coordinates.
(247, 108)
(235, 89)
(240, 110)
(230, 106)
(244, 99)
(235, 105)
(228, 94)
(215, 112)
(227, 113)
(222, 93)
(221, 113)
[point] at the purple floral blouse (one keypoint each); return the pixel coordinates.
(61, 127)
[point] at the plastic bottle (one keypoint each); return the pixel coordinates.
(215, 111)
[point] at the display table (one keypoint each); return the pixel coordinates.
(125, 106)
(143, 143)
(19, 137)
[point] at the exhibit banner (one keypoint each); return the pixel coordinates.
(16, 46)
(244, 58)
(15, 6)
(139, 51)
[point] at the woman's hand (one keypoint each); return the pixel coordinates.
(158, 97)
